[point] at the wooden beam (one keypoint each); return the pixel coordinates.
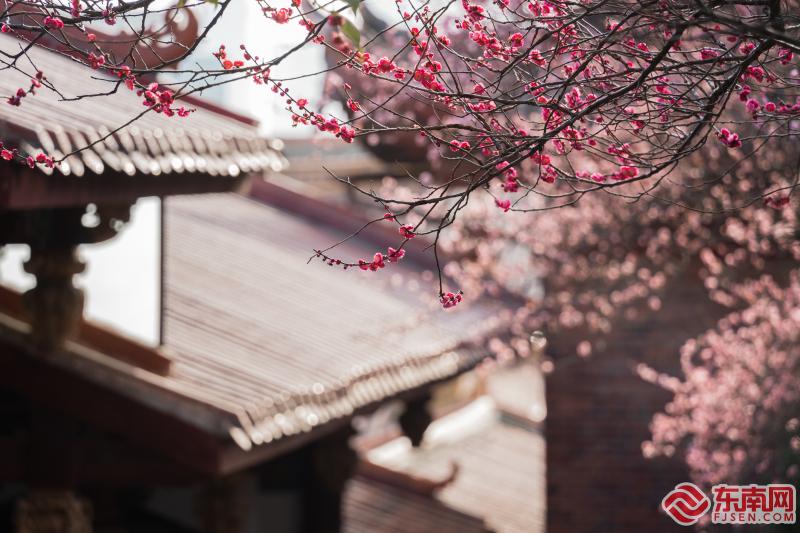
(100, 338)
(53, 388)
(31, 189)
(98, 462)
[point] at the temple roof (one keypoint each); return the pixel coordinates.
(209, 141)
(373, 506)
(487, 470)
(263, 351)
(290, 346)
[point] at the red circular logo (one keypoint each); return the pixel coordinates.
(686, 504)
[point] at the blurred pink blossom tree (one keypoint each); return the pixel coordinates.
(736, 414)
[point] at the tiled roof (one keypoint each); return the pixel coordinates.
(499, 475)
(206, 141)
(289, 346)
(373, 507)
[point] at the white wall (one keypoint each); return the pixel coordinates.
(122, 276)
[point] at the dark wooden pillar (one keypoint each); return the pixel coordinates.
(223, 505)
(333, 463)
(416, 418)
(312, 479)
(55, 305)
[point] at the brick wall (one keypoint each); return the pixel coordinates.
(598, 416)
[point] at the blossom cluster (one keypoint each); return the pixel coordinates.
(36, 82)
(161, 100)
(11, 154)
